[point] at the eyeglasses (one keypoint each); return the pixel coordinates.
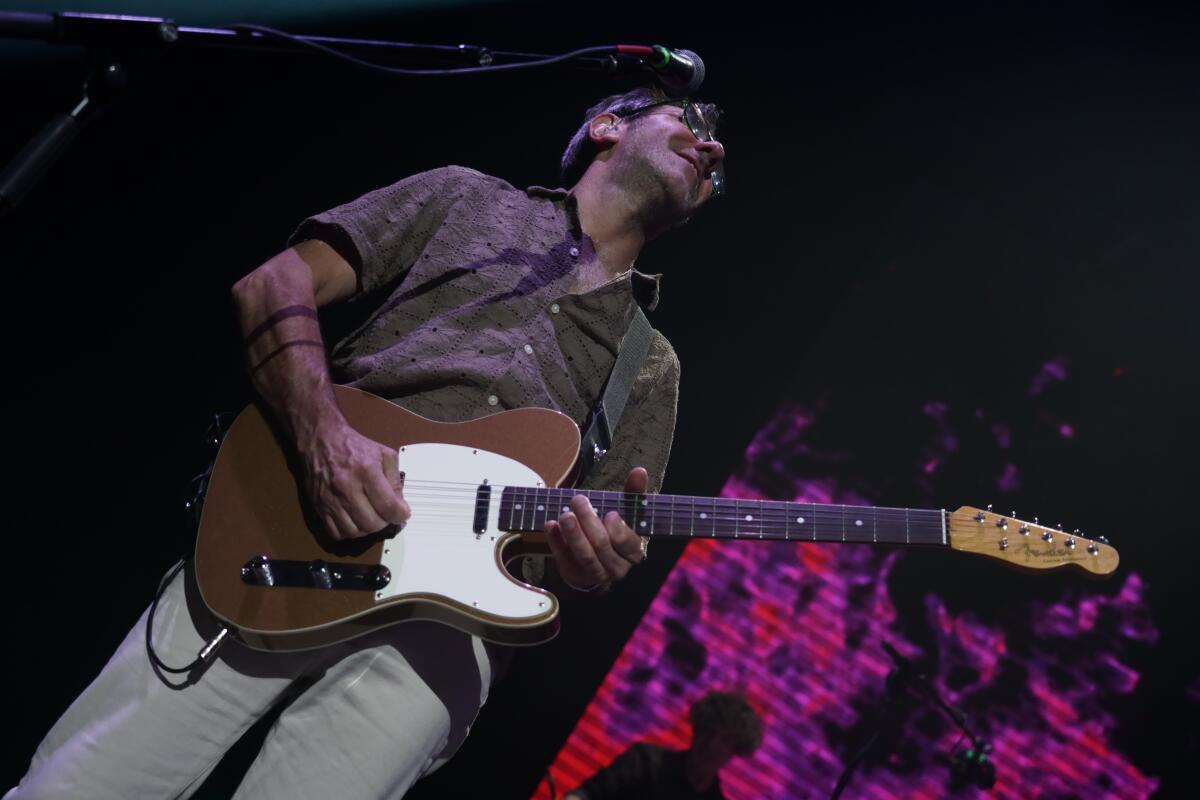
(694, 118)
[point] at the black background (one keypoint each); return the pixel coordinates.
(927, 202)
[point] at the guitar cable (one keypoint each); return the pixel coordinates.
(210, 647)
(212, 437)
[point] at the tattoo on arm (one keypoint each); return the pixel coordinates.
(285, 346)
(276, 318)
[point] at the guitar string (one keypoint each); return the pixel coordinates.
(663, 501)
(826, 525)
(767, 512)
(734, 509)
(722, 507)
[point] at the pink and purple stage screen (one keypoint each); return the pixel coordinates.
(799, 629)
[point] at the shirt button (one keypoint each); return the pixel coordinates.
(492, 399)
(528, 349)
(574, 251)
(554, 308)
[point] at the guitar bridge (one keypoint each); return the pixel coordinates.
(316, 574)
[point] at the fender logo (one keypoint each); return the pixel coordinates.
(1047, 554)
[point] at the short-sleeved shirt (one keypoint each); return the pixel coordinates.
(464, 284)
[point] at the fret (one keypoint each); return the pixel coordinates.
(728, 514)
(641, 505)
(539, 509)
(529, 508)
(609, 501)
(704, 516)
(855, 524)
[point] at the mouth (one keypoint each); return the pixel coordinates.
(695, 166)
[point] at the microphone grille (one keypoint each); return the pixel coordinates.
(693, 85)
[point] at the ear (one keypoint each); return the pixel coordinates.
(604, 130)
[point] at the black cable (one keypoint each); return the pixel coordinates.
(330, 51)
(162, 586)
(212, 436)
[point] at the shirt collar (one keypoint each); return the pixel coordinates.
(645, 286)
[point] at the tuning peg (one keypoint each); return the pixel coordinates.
(1100, 539)
(1060, 527)
(1035, 520)
(1013, 513)
(989, 508)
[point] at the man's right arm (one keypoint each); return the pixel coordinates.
(353, 482)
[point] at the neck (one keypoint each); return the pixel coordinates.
(613, 219)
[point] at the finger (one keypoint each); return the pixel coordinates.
(391, 471)
(638, 481)
(578, 554)
(623, 539)
(362, 513)
(340, 526)
(615, 566)
(385, 500)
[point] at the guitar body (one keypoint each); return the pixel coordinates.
(447, 565)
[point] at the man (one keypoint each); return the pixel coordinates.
(472, 297)
(723, 725)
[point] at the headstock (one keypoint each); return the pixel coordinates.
(1028, 545)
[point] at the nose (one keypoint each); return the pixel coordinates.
(712, 153)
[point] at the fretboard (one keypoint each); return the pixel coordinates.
(527, 509)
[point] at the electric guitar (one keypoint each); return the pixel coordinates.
(481, 492)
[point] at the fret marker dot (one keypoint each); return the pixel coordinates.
(749, 518)
(643, 523)
(799, 520)
(703, 515)
(858, 522)
(541, 508)
(645, 502)
(517, 506)
(566, 509)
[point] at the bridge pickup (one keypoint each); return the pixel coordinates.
(317, 574)
(483, 500)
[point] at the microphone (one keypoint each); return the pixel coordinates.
(680, 72)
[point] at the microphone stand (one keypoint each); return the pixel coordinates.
(111, 37)
(974, 766)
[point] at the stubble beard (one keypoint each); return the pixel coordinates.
(651, 188)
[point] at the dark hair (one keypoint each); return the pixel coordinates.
(727, 714)
(580, 150)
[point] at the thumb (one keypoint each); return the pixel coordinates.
(638, 481)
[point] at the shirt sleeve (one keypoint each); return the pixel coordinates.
(647, 426)
(383, 232)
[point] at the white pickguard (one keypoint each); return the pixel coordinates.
(438, 552)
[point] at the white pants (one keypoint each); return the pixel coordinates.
(381, 711)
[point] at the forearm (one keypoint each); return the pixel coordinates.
(285, 353)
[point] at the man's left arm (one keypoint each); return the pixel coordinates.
(591, 552)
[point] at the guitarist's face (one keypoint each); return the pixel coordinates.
(665, 167)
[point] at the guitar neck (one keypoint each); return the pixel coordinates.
(527, 509)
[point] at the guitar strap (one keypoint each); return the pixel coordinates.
(602, 422)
